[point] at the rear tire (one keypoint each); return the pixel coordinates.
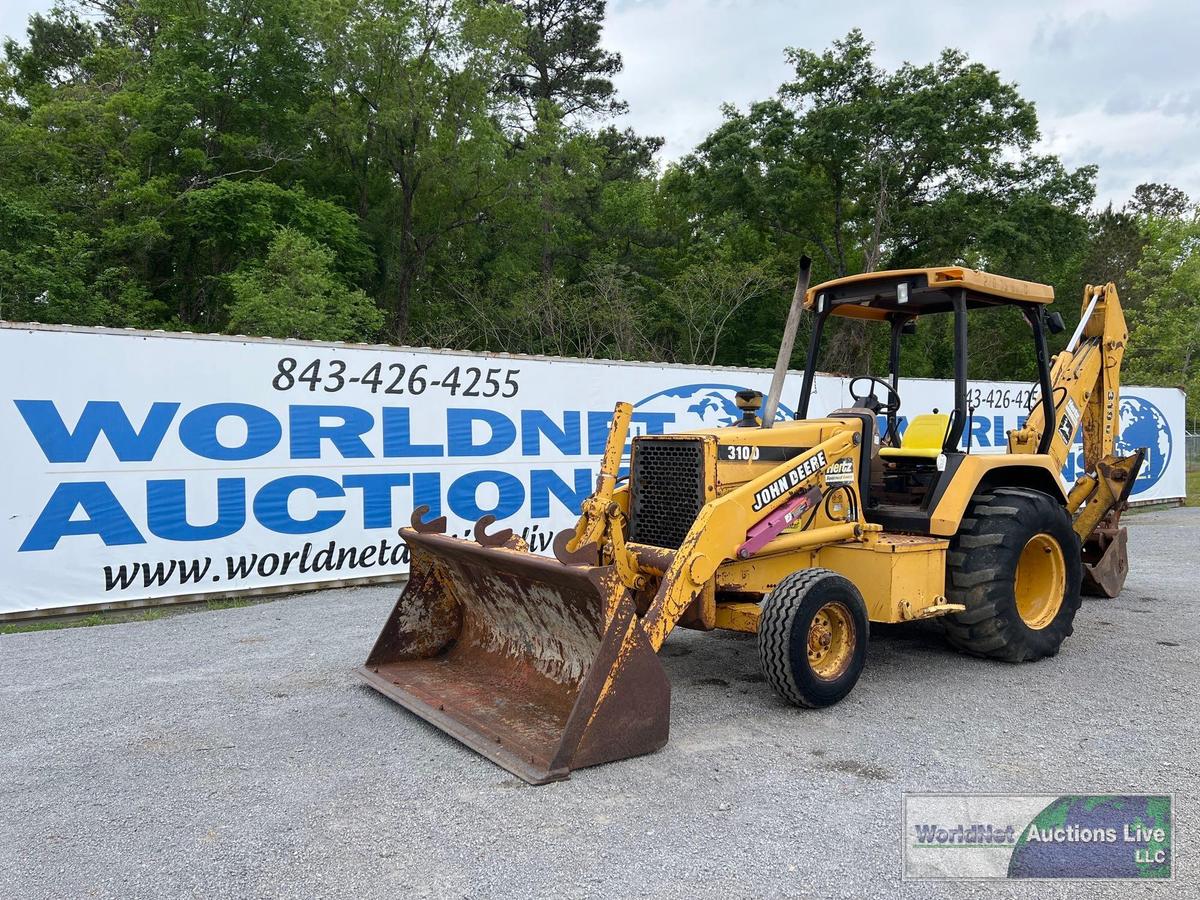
(1015, 564)
(812, 637)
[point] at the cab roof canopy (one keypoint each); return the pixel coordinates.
(877, 295)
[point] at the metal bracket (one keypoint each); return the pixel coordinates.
(503, 538)
(586, 555)
(624, 559)
(433, 526)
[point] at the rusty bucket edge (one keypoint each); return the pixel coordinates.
(515, 764)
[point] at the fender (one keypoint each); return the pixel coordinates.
(1033, 470)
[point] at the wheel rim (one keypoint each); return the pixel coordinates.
(1040, 581)
(831, 640)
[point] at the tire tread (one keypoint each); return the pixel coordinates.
(779, 612)
(992, 534)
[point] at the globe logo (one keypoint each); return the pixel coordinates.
(1144, 425)
(1149, 857)
(696, 406)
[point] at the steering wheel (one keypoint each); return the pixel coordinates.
(870, 401)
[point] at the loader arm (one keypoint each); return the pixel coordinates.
(1085, 382)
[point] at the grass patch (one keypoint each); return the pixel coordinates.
(89, 621)
(120, 616)
(1191, 496)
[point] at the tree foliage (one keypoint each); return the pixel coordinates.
(449, 172)
(295, 292)
(1166, 321)
(562, 63)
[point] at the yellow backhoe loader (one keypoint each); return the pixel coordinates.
(801, 531)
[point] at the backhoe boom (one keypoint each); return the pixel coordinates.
(1086, 383)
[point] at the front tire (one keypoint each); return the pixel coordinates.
(812, 637)
(1015, 564)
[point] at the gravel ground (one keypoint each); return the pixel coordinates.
(233, 754)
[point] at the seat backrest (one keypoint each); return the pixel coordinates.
(925, 432)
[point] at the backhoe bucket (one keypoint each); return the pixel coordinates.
(1106, 562)
(541, 666)
(1106, 549)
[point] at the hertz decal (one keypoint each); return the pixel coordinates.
(841, 472)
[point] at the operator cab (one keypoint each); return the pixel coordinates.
(905, 472)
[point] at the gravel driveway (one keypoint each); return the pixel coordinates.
(233, 754)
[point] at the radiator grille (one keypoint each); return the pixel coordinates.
(667, 491)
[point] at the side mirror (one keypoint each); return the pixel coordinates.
(909, 327)
(1054, 322)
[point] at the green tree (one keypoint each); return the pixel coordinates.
(704, 299)
(408, 113)
(452, 160)
(562, 78)
(1166, 324)
(118, 124)
(870, 169)
(890, 146)
(295, 292)
(562, 64)
(1114, 245)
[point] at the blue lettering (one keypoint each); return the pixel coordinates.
(98, 416)
(460, 428)
(597, 431)
(306, 431)
(397, 435)
(166, 510)
(598, 424)
(271, 504)
(105, 517)
(1070, 470)
(462, 495)
(979, 431)
(377, 496)
(427, 491)
(544, 482)
(198, 431)
(535, 424)
(655, 422)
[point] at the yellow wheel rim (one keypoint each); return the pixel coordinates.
(1041, 581)
(831, 640)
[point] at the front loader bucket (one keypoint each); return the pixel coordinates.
(541, 666)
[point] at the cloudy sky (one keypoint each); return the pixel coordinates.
(1116, 82)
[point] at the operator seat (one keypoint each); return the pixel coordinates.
(922, 439)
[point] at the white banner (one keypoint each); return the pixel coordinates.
(145, 465)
